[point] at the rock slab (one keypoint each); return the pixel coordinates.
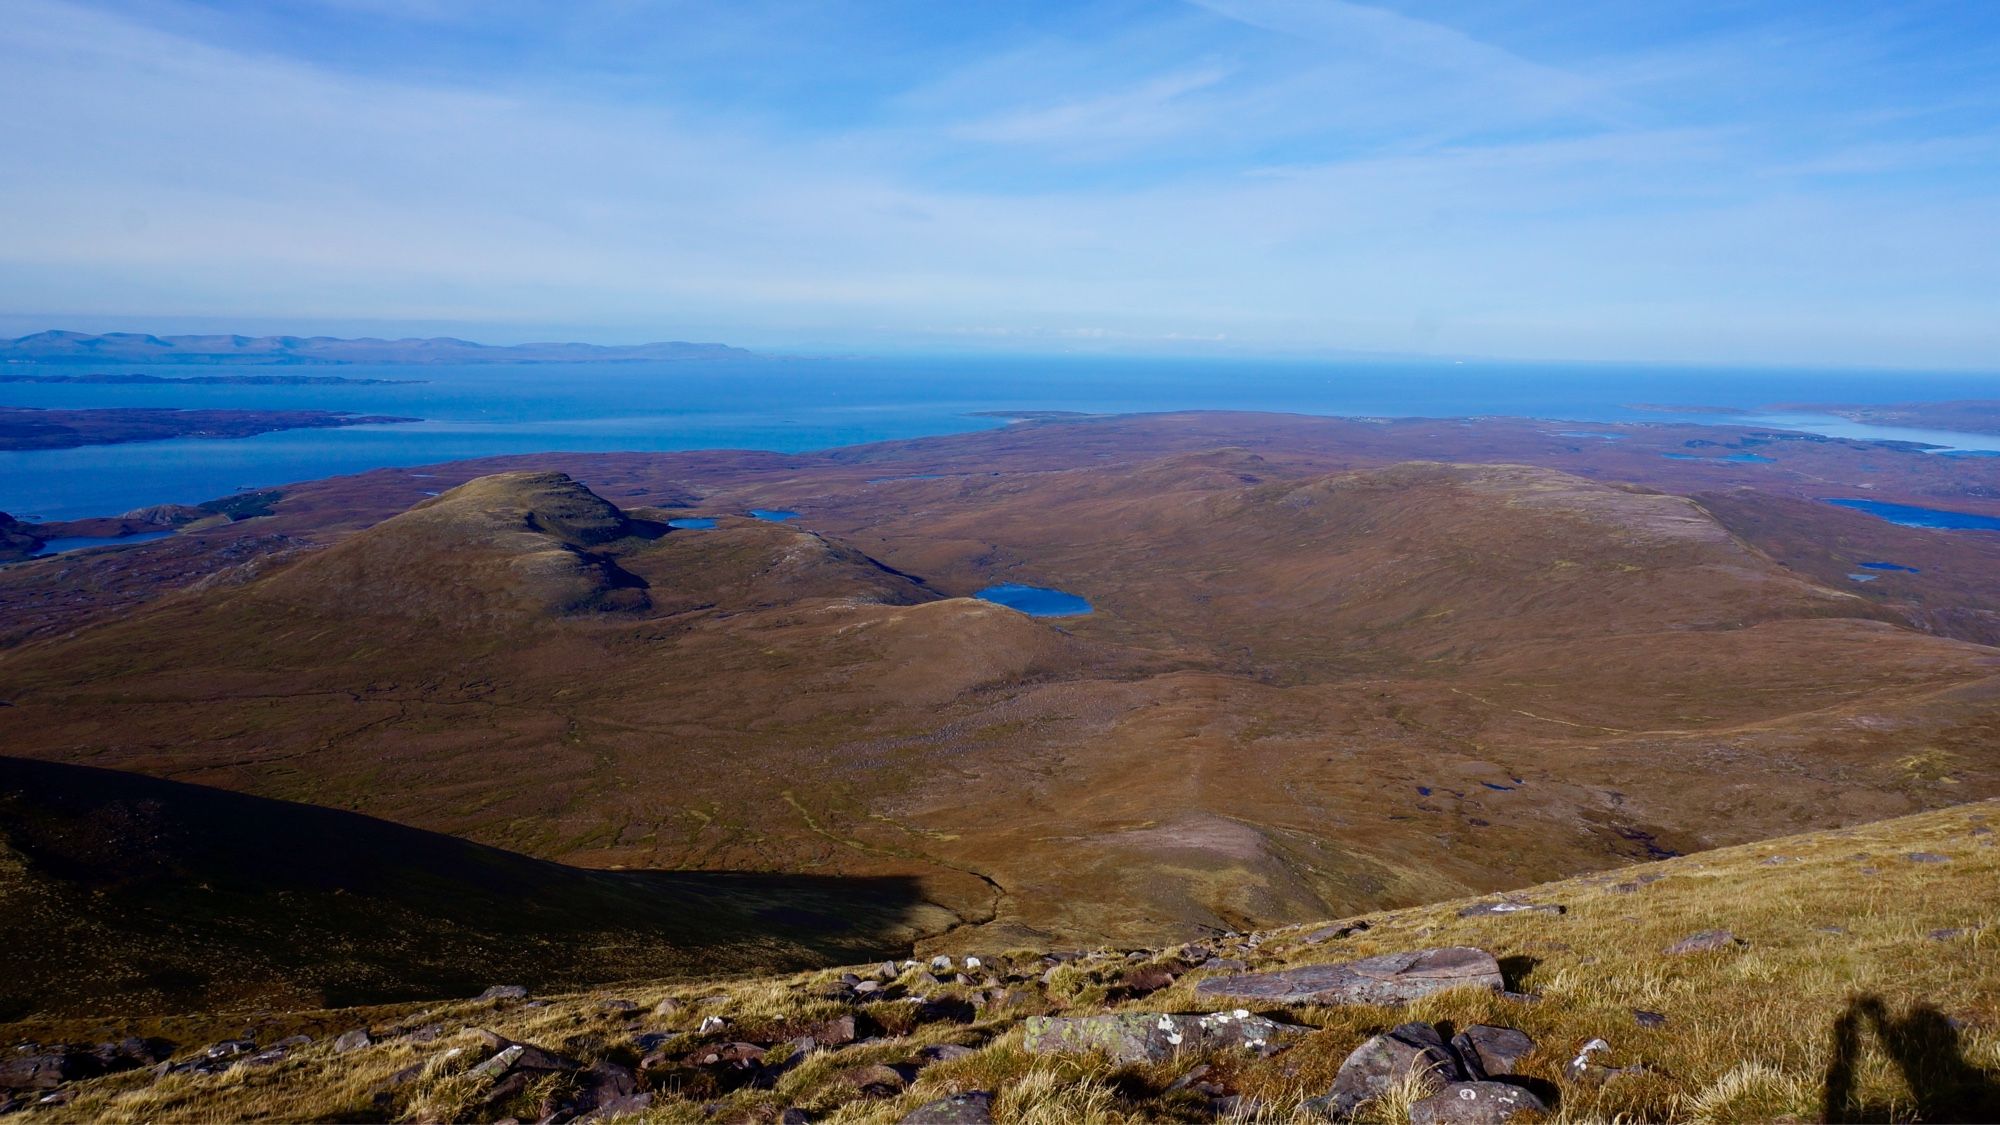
(1394, 978)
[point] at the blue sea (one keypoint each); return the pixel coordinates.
(793, 405)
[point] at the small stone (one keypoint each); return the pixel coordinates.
(876, 1080)
(739, 1056)
(351, 1041)
(945, 1052)
(974, 1107)
(836, 1032)
(1476, 1103)
(617, 1006)
(711, 1023)
(1648, 1019)
(868, 987)
(1145, 979)
(1491, 1052)
(1706, 941)
(1927, 857)
(941, 964)
(504, 992)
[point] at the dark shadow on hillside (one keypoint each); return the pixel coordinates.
(1925, 1048)
(129, 893)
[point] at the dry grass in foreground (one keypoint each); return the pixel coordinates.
(1866, 986)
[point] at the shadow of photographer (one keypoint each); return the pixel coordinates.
(1924, 1046)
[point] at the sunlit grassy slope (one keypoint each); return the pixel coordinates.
(1888, 927)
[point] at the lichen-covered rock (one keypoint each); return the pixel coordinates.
(1131, 1037)
(1385, 1061)
(1476, 1103)
(1395, 978)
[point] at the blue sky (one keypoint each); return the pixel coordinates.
(1780, 182)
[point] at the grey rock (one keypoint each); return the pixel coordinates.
(617, 1006)
(1927, 857)
(1131, 1037)
(504, 992)
(351, 1041)
(1481, 909)
(1648, 1019)
(1333, 933)
(1381, 1063)
(945, 1052)
(229, 1049)
(1476, 1103)
(1706, 941)
(972, 1108)
(510, 1056)
(1491, 1052)
(1395, 978)
(605, 1091)
(45, 1069)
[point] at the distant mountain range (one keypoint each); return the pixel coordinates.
(134, 347)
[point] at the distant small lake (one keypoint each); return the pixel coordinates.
(1890, 566)
(692, 523)
(1589, 434)
(775, 515)
(84, 542)
(1035, 601)
(1910, 515)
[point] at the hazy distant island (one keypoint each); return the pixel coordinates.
(1970, 416)
(128, 378)
(134, 347)
(24, 427)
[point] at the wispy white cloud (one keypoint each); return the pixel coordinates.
(1293, 177)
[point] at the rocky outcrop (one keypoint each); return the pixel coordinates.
(1134, 1037)
(1394, 978)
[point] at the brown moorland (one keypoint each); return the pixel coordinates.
(1335, 665)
